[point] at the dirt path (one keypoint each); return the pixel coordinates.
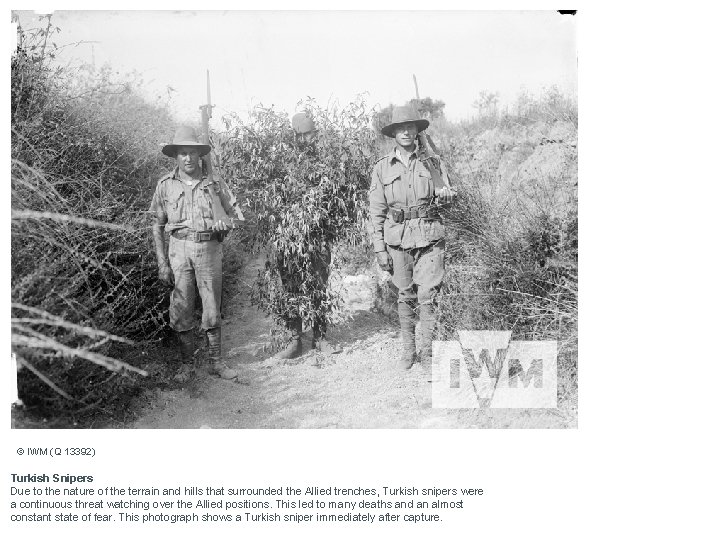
(358, 388)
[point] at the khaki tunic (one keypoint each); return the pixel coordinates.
(395, 185)
(178, 205)
(416, 246)
(183, 207)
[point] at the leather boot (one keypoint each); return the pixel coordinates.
(427, 331)
(217, 366)
(187, 349)
(406, 315)
(294, 348)
(320, 344)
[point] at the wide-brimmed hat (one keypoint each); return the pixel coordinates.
(302, 123)
(403, 115)
(185, 136)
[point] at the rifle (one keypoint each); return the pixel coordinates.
(427, 151)
(214, 191)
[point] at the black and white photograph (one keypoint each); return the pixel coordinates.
(313, 270)
(294, 219)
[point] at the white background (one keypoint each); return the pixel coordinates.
(643, 463)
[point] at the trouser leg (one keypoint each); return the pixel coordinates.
(182, 303)
(403, 264)
(429, 273)
(182, 298)
(208, 272)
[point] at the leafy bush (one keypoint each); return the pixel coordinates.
(306, 198)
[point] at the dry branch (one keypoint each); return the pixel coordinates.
(32, 214)
(99, 359)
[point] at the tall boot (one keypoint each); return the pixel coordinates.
(406, 315)
(217, 366)
(294, 348)
(187, 349)
(427, 331)
(321, 344)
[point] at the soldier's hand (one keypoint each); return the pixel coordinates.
(221, 225)
(446, 195)
(384, 260)
(165, 273)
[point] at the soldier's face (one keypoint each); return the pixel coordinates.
(308, 137)
(188, 159)
(405, 134)
(306, 141)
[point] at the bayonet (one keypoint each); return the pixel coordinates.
(214, 186)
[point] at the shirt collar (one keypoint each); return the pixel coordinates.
(395, 153)
(176, 174)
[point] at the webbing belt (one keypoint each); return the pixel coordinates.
(401, 214)
(195, 236)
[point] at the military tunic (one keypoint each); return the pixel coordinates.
(184, 208)
(416, 245)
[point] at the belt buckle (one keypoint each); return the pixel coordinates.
(203, 236)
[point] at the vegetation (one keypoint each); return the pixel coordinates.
(307, 198)
(513, 247)
(84, 162)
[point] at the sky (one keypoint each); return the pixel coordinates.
(280, 57)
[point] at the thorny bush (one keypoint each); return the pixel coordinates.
(84, 161)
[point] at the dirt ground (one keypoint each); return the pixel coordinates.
(357, 388)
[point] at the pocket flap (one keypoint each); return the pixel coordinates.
(389, 179)
(173, 195)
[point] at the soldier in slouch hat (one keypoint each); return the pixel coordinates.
(185, 205)
(406, 191)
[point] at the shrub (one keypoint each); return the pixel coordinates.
(305, 198)
(84, 162)
(513, 233)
